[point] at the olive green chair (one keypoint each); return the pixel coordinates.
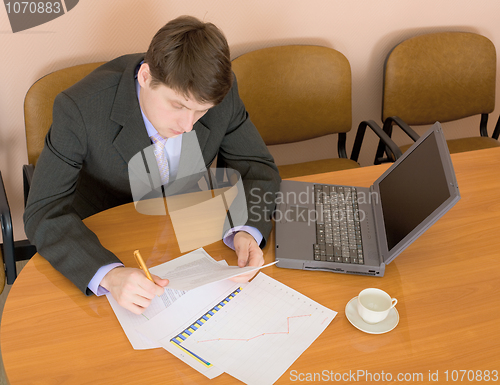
(38, 119)
(443, 77)
(38, 105)
(299, 92)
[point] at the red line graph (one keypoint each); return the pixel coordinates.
(260, 335)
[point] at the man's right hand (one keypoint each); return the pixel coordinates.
(131, 288)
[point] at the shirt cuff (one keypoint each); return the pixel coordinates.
(229, 237)
(94, 284)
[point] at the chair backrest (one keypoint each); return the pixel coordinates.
(293, 93)
(440, 77)
(39, 101)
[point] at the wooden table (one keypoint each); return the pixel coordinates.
(447, 283)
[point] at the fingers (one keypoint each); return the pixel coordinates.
(131, 289)
(135, 303)
(242, 251)
(247, 250)
(160, 281)
(244, 277)
(255, 257)
(136, 294)
(249, 254)
(160, 284)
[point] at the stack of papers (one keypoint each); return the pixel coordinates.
(222, 326)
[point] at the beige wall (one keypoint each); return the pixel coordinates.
(363, 30)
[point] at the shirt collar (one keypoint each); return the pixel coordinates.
(149, 127)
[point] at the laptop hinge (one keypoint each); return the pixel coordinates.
(378, 220)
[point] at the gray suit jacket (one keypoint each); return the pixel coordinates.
(83, 169)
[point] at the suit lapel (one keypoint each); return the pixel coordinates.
(126, 111)
(193, 143)
(202, 133)
(133, 136)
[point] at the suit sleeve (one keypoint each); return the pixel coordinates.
(243, 150)
(51, 223)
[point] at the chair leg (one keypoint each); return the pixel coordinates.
(496, 133)
(483, 125)
(341, 145)
(9, 257)
(8, 236)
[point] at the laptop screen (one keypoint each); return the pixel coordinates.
(413, 190)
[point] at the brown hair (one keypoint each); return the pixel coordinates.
(191, 57)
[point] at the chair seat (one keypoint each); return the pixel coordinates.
(316, 167)
(466, 144)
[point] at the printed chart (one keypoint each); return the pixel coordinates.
(266, 326)
(177, 340)
(287, 331)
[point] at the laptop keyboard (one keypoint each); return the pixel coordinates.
(338, 230)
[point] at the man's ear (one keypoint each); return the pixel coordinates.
(143, 76)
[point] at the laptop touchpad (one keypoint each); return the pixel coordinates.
(296, 214)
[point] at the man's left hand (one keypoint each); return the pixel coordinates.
(249, 254)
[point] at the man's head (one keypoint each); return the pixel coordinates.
(186, 71)
(192, 58)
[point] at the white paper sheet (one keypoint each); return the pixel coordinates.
(130, 321)
(261, 332)
(196, 269)
(178, 317)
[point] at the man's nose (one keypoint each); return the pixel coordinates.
(188, 120)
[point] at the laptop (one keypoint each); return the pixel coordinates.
(359, 230)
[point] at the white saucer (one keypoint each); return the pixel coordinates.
(351, 312)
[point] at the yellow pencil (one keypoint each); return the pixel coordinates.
(142, 265)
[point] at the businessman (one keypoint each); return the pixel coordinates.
(182, 85)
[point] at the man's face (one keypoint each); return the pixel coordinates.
(170, 113)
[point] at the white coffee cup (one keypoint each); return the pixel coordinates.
(374, 305)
